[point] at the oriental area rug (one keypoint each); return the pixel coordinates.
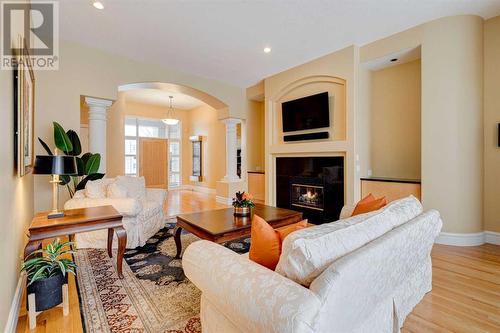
(154, 295)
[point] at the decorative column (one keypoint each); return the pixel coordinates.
(231, 183)
(98, 109)
(231, 150)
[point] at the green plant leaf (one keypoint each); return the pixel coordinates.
(92, 164)
(61, 139)
(85, 157)
(75, 142)
(80, 166)
(94, 176)
(45, 146)
(64, 180)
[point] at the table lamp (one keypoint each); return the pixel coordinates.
(56, 166)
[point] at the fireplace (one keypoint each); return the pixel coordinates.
(313, 185)
(307, 196)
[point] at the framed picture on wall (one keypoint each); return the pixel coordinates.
(24, 112)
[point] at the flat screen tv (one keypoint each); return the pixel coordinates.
(306, 113)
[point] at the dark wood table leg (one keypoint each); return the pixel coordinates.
(31, 247)
(110, 242)
(122, 242)
(178, 244)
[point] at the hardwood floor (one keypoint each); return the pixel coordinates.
(465, 295)
(183, 202)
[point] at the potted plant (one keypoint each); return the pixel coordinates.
(87, 164)
(47, 273)
(243, 204)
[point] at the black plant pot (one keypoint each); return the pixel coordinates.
(48, 292)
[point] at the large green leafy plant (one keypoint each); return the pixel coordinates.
(50, 264)
(87, 164)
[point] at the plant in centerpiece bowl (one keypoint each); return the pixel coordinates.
(47, 273)
(243, 204)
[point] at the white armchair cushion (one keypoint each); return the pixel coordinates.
(308, 252)
(96, 189)
(135, 186)
(116, 191)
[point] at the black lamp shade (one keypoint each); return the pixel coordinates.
(55, 165)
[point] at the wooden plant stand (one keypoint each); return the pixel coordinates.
(32, 313)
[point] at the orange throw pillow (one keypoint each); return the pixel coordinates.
(370, 206)
(370, 197)
(285, 231)
(265, 245)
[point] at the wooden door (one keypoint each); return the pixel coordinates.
(153, 162)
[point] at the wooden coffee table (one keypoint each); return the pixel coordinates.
(76, 221)
(221, 225)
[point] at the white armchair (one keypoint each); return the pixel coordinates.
(141, 207)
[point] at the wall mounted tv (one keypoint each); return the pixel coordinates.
(306, 113)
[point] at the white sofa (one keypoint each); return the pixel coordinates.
(141, 207)
(360, 274)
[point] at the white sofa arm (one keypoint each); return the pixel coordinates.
(125, 206)
(252, 297)
(156, 194)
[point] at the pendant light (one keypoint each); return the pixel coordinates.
(170, 120)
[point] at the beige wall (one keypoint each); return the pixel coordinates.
(334, 73)
(363, 122)
(491, 121)
(91, 72)
(452, 124)
(255, 136)
(395, 121)
(204, 122)
(451, 120)
(16, 201)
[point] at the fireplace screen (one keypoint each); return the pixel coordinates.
(307, 196)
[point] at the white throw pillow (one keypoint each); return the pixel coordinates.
(306, 253)
(116, 191)
(96, 189)
(135, 186)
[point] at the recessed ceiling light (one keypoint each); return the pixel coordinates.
(98, 5)
(394, 59)
(267, 49)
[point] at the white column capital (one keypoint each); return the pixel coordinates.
(231, 121)
(94, 102)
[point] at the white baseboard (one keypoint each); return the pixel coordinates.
(492, 237)
(224, 200)
(195, 188)
(470, 239)
(11, 325)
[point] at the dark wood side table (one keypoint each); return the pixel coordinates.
(221, 225)
(76, 221)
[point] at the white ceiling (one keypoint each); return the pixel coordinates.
(161, 98)
(224, 39)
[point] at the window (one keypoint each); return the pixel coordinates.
(174, 148)
(136, 128)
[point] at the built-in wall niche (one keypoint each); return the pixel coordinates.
(196, 152)
(335, 88)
